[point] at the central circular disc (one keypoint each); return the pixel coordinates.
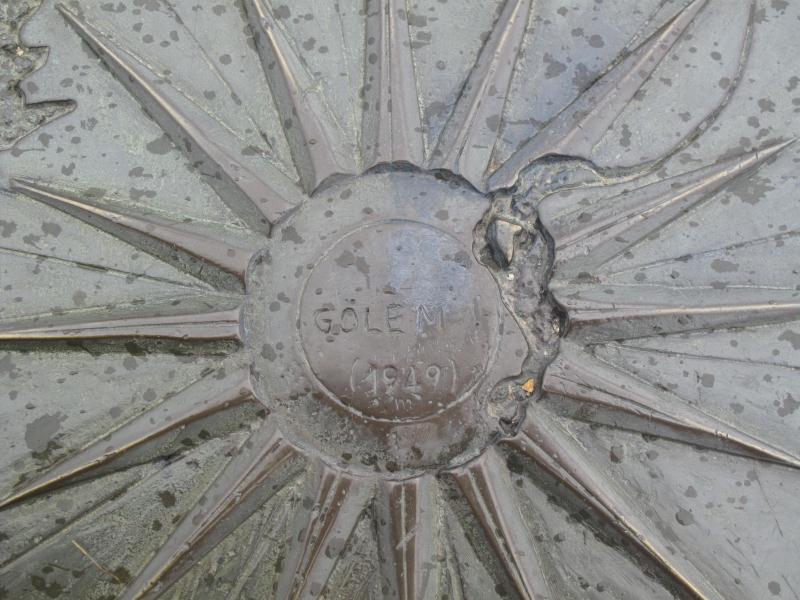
(396, 321)
(377, 337)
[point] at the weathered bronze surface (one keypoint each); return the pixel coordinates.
(392, 299)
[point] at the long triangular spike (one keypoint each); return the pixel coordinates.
(95, 495)
(265, 464)
(544, 441)
(392, 126)
(577, 129)
(166, 242)
(260, 203)
(487, 488)
(454, 580)
(197, 401)
(578, 375)
(617, 224)
(315, 140)
(333, 514)
(598, 313)
(62, 262)
(465, 146)
(407, 518)
(210, 326)
(753, 245)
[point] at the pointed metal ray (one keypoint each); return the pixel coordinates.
(199, 400)
(578, 375)
(755, 245)
(454, 578)
(577, 129)
(107, 490)
(468, 140)
(607, 312)
(408, 537)
(588, 243)
(544, 441)
(334, 513)
(218, 325)
(778, 363)
(488, 490)
(265, 464)
(316, 143)
(163, 241)
(119, 273)
(392, 126)
(250, 196)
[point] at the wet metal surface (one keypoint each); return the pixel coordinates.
(379, 299)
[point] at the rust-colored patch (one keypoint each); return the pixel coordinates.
(529, 386)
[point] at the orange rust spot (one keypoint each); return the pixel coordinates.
(529, 386)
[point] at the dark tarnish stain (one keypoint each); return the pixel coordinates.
(41, 432)
(8, 368)
(167, 498)
(347, 259)
(596, 41)
(766, 105)
(554, 67)
(289, 234)
(268, 352)
(493, 123)
(625, 136)
(52, 229)
(789, 406)
(123, 575)
(779, 5)
(7, 228)
(79, 298)
(792, 337)
(724, 266)
(684, 517)
(461, 258)
(52, 589)
(161, 145)
(752, 189)
(282, 12)
(32, 240)
(583, 76)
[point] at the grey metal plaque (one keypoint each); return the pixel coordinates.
(427, 299)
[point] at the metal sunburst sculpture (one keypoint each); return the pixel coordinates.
(413, 312)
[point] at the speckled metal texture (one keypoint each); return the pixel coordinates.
(410, 300)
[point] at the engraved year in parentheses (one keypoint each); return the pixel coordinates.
(401, 386)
